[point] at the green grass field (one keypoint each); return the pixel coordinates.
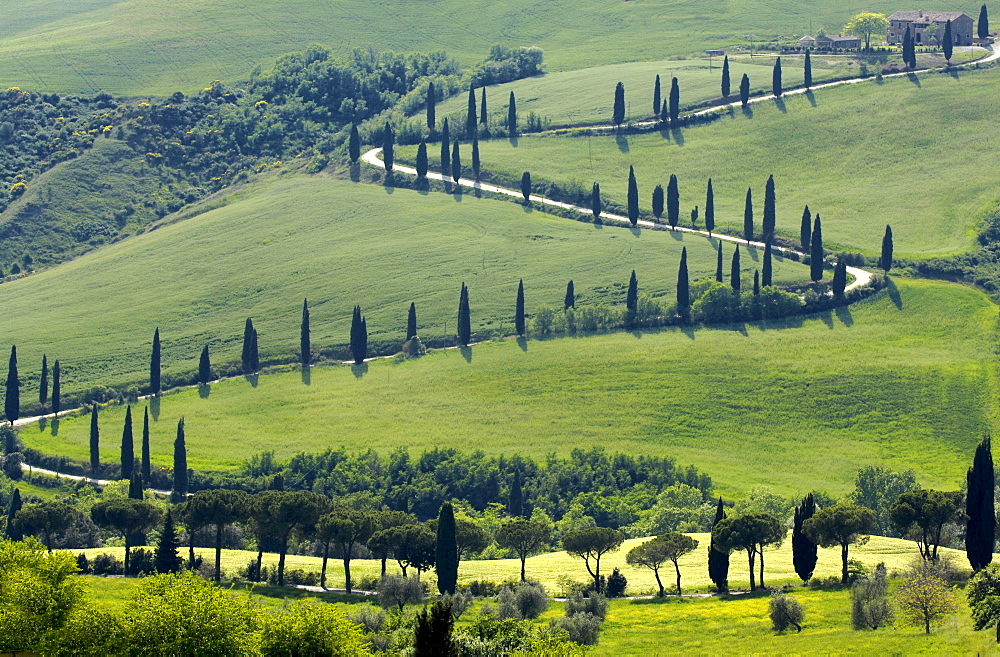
(337, 243)
(136, 47)
(904, 380)
(855, 157)
(585, 96)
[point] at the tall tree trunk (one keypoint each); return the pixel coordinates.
(347, 571)
(384, 559)
(218, 553)
(843, 566)
(656, 573)
(761, 553)
(326, 555)
(522, 568)
(750, 555)
(678, 569)
(127, 549)
(260, 561)
(281, 561)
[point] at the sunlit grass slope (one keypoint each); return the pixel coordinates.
(904, 380)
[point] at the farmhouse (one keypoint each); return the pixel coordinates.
(919, 21)
(839, 42)
(807, 42)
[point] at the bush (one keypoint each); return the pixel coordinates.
(83, 564)
(870, 607)
(595, 605)
(397, 591)
(583, 628)
(12, 465)
(310, 628)
(785, 611)
(142, 562)
(483, 588)
(107, 564)
(617, 584)
(527, 600)
(459, 601)
(369, 617)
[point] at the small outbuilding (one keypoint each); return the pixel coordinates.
(807, 42)
(839, 42)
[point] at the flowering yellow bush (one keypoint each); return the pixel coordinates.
(17, 189)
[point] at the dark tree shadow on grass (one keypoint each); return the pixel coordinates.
(512, 140)
(527, 206)
(389, 183)
(753, 253)
(154, 407)
(747, 111)
(355, 172)
(622, 142)
(953, 72)
(359, 370)
(811, 97)
(844, 315)
(253, 379)
(522, 343)
(55, 426)
(912, 77)
(677, 136)
(43, 423)
(635, 230)
(893, 292)
(423, 186)
(827, 318)
(677, 235)
(779, 102)
(688, 329)
(306, 373)
(466, 353)
(204, 390)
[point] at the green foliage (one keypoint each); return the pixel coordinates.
(45, 520)
(168, 560)
(981, 521)
(924, 596)
(785, 611)
(983, 593)
(804, 549)
(866, 25)
(395, 591)
(751, 532)
(307, 627)
(593, 543)
(870, 606)
(924, 513)
(446, 550)
(841, 524)
(524, 537)
(527, 600)
(878, 488)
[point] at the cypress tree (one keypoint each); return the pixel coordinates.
(718, 263)
(767, 277)
(475, 156)
(718, 562)
(519, 309)
(254, 353)
(363, 337)
(471, 120)
(482, 108)
(683, 290)
(245, 358)
(515, 505)
(839, 282)
(526, 187)
(656, 96)
(596, 207)
(980, 528)
(180, 488)
(13, 533)
(632, 299)
(147, 468)
(983, 25)
(816, 251)
(43, 384)
(446, 563)
(56, 388)
(748, 216)
(756, 282)
(411, 322)
(658, 202)
(709, 208)
(745, 90)
(776, 78)
(135, 487)
(807, 75)
(167, 558)
(804, 550)
(570, 299)
(388, 155)
(618, 112)
(445, 149)
(422, 160)
(354, 144)
(12, 399)
(673, 202)
(885, 261)
(204, 367)
(769, 212)
(725, 77)
(305, 342)
(664, 111)
(675, 102)
(431, 105)
(95, 441)
(512, 116)
(907, 47)
(456, 163)
(464, 318)
(805, 230)
(359, 337)
(128, 448)
(734, 270)
(154, 364)
(633, 197)
(947, 44)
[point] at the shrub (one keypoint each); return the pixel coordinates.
(870, 607)
(527, 600)
(12, 465)
(369, 617)
(107, 564)
(616, 584)
(142, 562)
(459, 601)
(785, 611)
(583, 628)
(595, 605)
(310, 628)
(483, 588)
(398, 591)
(83, 564)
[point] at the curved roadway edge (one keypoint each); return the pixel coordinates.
(861, 277)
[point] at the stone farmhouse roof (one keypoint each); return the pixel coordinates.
(836, 38)
(926, 16)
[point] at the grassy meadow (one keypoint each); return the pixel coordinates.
(903, 380)
(138, 47)
(585, 96)
(851, 153)
(337, 243)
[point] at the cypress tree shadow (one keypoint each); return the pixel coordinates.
(355, 172)
(747, 111)
(306, 373)
(677, 136)
(253, 379)
(912, 77)
(635, 230)
(688, 330)
(522, 343)
(55, 426)
(844, 315)
(389, 183)
(466, 353)
(477, 191)
(677, 235)
(622, 142)
(893, 292)
(811, 97)
(953, 72)
(753, 253)
(204, 390)
(513, 140)
(527, 206)
(827, 318)
(154, 408)
(422, 186)
(42, 424)
(779, 102)
(359, 370)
